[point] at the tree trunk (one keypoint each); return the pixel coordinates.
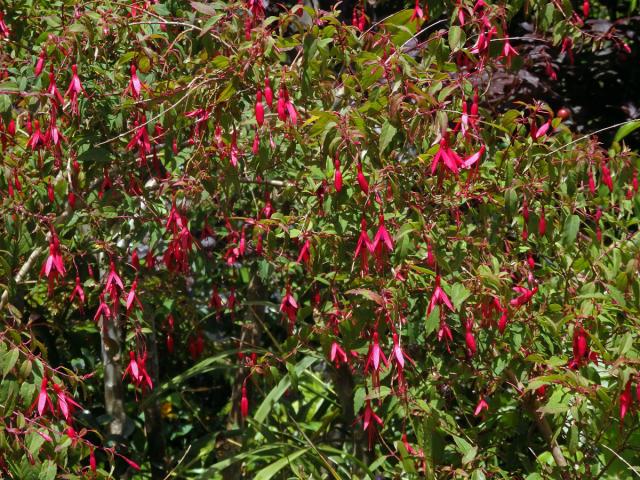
(152, 418)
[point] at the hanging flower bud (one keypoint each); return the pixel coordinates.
(268, 92)
(40, 63)
(337, 176)
(244, 403)
(259, 109)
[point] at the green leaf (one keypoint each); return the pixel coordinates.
(268, 472)
(457, 37)
(9, 360)
(570, 231)
(48, 471)
(386, 135)
(626, 129)
(282, 386)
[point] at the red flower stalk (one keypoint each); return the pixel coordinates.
(75, 88)
(53, 267)
(439, 297)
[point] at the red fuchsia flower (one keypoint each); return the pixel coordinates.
(289, 307)
(542, 223)
(469, 339)
(92, 461)
(606, 176)
(37, 140)
(50, 192)
(75, 88)
(439, 297)
(52, 90)
(268, 92)
(202, 115)
(375, 359)
(418, 13)
(42, 400)
(234, 152)
(4, 30)
(381, 241)
(304, 255)
(508, 51)
(502, 322)
(103, 310)
(449, 158)
(567, 47)
(132, 297)
(140, 139)
(113, 286)
(626, 401)
(215, 301)
(78, 292)
(338, 355)
(444, 333)
(473, 158)
(132, 369)
(592, 183)
(524, 297)
(196, 345)
(585, 8)
(482, 405)
(370, 423)
(256, 8)
(135, 85)
(337, 176)
(286, 110)
(259, 109)
(40, 63)
(53, 267)
(362, 181)
(66, 403)
(539, 132)
(364, 247)
(244, 403)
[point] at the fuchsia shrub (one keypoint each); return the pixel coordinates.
(272, 244)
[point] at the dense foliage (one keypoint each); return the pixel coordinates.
(243, 240)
